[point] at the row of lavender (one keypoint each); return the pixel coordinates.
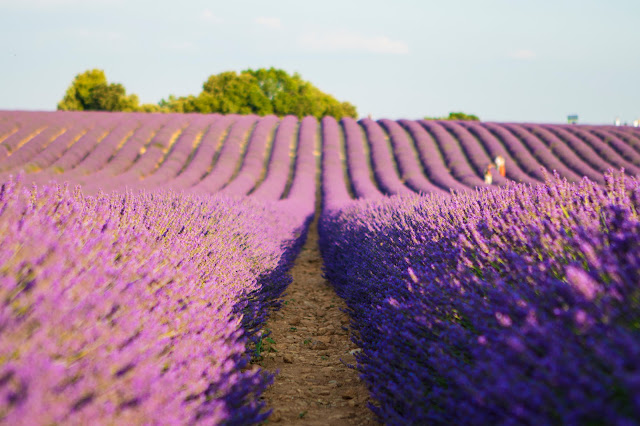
(437, 157)
(247, 155)
(139, 307)
(514, 306)
(207, 153)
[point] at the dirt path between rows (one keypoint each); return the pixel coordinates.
(308, 344)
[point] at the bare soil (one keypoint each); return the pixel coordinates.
(309, 347)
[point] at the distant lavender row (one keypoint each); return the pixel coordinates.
(357, 161)
(410, 169)
(135, 308)
(236, 154)
(515, 306)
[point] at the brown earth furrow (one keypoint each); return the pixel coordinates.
(309, 346)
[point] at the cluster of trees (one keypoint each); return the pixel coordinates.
(262, 91)
(90, 91)
(459, 116)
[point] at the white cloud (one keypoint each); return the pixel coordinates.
(208, 16)
(334, 41)
(268, 22)
(523, 54)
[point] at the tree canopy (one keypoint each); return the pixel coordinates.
(459, 116)
(262, 91)
(90, 91)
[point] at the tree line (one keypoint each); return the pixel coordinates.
(262, 92)
(456, 116)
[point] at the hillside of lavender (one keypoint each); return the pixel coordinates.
(141, 254)
(127, 299)
(499, 307)
(510, 306)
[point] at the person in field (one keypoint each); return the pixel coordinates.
(488, 176)
(500, 165)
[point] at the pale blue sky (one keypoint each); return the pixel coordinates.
(504, 60)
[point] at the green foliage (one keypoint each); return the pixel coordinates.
(262, 91)
(90, 91)
(78, 95)
(151, 108)
(459, 116)
(229, 92)
(290, 94)
(174, 104)
(112, 97)
(264, 345)
(463, 117)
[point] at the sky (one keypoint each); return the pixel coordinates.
(503, 60)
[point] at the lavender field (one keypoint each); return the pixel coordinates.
(141, 254)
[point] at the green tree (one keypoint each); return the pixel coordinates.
(151, 108)
(90, 91)
(458, 116)
(112, 97)
(290, 94)
(262, 91)
(461, 116)
(229, 92)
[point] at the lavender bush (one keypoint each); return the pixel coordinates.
(579, 147)
(514, 170)
(431, 157)
(275, 178)
(567, 153)
(135, 308)
(358, 166)
(205, 155)
(384, 166)
(611, 148)
(527, 160)
(544, 154)
(453, 154)
(474, 151)
(410, 170)
(626, 135)
(518, 305)
(230, 154)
